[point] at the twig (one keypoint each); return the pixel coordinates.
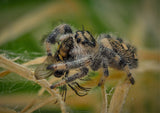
(118, 97)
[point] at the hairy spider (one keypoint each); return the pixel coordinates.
(81, 50)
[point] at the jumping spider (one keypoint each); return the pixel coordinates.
(81, 50)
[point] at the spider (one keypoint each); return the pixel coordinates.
(80, 50)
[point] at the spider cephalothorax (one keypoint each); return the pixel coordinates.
(81, 50)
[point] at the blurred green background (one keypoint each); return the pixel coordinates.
(24, 24)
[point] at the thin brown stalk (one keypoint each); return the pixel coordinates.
(118, 97)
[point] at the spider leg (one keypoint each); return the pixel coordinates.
(129, 75)
(80, 87)
(118, 62)
(114, 59)
(83, 72)
(64, 88)
(54, 36)
(77, 92)
(105, 72)
(70, 65)
(63, 92)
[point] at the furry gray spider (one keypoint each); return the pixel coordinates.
(81, 50)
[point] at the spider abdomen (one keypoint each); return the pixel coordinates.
(127, 52)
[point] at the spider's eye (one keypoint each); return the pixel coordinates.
(83, 42)
(76, 36)
(78, 40)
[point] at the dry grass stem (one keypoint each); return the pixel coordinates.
(104, 97)
(28, 106)
(4, 73)
(38, 60)
(41, 91)
(31, 62)
(40, 104)
(118, 98)
(16, 68)
(7, 110)
(26, 73)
